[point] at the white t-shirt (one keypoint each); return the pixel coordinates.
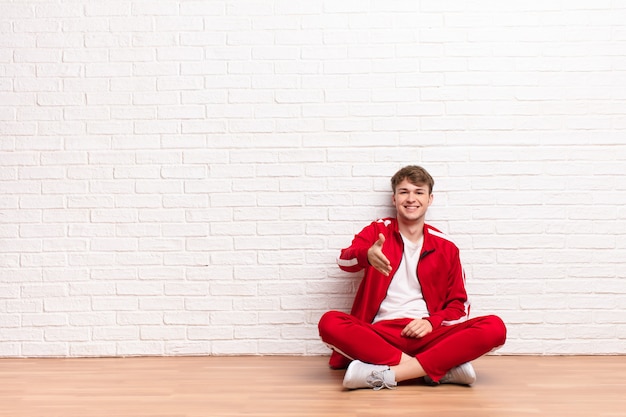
(404, 297)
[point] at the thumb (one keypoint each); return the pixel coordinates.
(381, 240)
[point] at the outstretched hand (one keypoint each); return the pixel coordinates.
(377, 258)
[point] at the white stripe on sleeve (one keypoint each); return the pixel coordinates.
(347, 262)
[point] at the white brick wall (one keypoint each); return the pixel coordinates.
(177, 177)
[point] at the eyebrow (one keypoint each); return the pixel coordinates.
(416, 189)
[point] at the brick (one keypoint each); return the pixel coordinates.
(44, 349)
(143, 347)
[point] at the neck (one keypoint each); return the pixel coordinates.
(412, 231)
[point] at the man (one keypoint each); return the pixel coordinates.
(410, 316)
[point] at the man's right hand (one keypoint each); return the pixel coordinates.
(377, 259)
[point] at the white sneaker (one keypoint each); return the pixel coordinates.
(463, 375)
(364, 375)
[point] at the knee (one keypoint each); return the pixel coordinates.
(497, 330)
(328, 322)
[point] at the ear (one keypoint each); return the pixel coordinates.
(430, 199)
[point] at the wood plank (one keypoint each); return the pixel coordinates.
(303, 386)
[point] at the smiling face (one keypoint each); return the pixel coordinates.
(411, 201)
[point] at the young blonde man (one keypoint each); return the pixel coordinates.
(410, 316)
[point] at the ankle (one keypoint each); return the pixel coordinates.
(411, 369)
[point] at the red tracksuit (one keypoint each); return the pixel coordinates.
(455, 339)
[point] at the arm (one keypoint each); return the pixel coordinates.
(364, 251)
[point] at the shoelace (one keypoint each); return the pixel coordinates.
(377, 381)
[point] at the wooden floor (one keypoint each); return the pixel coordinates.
(303, 386)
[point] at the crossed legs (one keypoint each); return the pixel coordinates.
(433, 355)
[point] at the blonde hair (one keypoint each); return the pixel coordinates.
(416, 176)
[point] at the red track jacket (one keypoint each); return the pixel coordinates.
(439, 272)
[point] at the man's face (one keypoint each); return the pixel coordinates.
(411, 201)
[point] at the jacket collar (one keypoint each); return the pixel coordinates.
(427, 246)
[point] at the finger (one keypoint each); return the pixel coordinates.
(383, 260)
(409, 330)
(383, 270)
(411, 333)
(382, 264)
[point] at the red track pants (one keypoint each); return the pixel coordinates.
(437, 352)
